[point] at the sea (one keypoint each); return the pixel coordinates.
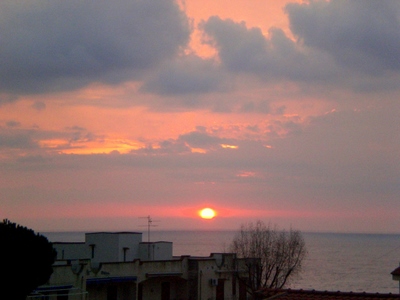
(346, 262)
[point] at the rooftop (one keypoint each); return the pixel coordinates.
(114, 233)
(324, 295)
(396, 272)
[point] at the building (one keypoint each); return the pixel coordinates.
(396, 275)
(288, 294)
(119, 266)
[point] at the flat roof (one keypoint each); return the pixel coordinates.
(166, 274)
(68, 243)
(288, 294)
(117, 232)
(157, 242)
(100, 280)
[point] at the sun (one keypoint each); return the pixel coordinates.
(207, 213)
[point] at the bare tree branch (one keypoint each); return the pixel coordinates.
(273, 257)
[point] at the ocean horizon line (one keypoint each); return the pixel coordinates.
(219, 230)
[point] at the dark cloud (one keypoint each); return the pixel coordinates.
(13, 123)
(188, 75)
(67, 44)
(184, 144)
(75, 128)
(7, 98)
(39, 105)
(342, 44)
(363, 35)
(243, 49)
(17, 141)
(251, 107)
(239, 48)
(198, 139)
(15, 137)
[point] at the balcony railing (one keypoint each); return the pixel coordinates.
(58, 294)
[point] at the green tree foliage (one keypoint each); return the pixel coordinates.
(272, 257)
(26, 260)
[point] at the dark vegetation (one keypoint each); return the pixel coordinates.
(26, 260)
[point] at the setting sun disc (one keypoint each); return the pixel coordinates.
(207, 213)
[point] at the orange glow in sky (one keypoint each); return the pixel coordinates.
(230, 108)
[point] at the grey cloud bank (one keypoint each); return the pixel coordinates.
(68, 45)
(344, 44)
(63, 45)
(361, 35)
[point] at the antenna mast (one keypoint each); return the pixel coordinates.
(149, 225)
(149, 221)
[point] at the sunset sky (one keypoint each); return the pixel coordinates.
(283, 111)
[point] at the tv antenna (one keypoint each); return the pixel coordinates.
(149, 225)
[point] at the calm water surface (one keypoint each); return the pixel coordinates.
(335, 262)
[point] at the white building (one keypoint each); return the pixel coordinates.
(119, 266)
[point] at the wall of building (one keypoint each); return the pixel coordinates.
(183, 278)
(215, 279)
(155, 251)
(103, 246)
(115, 273)
(109, 246)
(71, 251)
(176, 267)
(120, 291)
(154, 288)
(67, 279)
(129, 241)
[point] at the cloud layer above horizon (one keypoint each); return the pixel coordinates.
(113, 111)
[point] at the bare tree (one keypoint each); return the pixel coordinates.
(272, 257)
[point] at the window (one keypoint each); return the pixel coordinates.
(112, 292)
(165, 291)
(92, 247)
